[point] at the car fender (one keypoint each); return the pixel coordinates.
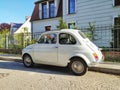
(27, 51)
(87, 61)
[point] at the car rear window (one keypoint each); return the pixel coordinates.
(65, 38)
(82, 34)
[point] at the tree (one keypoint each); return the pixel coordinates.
(74, 26)
(23, 38)
(4, 28)
(62, 24)
(91, 34)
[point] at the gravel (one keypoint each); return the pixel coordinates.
(14, 76)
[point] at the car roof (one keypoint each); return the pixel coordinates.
(70, 30)
(64, 30)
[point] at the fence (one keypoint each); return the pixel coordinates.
(17, 41)
(106, 37)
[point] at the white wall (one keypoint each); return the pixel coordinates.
(39, 26)
(99, 11)
(26, 24)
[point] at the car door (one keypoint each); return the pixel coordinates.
(46, 51)
(67, 46)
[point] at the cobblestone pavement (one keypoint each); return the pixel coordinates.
(14, 76)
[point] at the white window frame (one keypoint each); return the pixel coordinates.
(69, 8)
(113, 2)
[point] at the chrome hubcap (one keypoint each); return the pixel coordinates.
(77, 67)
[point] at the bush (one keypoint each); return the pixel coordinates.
(112, 56)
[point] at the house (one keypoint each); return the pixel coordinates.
(25, 27)
(46, 14)
(24, 31)
(14, 27)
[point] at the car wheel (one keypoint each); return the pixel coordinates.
(27, 61)
(78, 67)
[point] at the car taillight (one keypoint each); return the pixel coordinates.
(96, 56)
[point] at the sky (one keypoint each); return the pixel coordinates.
(15, 10)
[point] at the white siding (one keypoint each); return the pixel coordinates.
(39, 26)
(27, 24)
(99, 11)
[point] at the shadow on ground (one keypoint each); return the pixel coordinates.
(13, 65)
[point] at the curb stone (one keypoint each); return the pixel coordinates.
(110, 68)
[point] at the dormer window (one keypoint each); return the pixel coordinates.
(71, 6)
(44, 10)
(117, 2)
(48, 9)
(51, 9)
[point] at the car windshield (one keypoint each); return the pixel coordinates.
(82, 34)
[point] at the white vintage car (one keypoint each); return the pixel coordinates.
(63, 48)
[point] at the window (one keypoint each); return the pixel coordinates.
(82, 34)
(71, 6)
(71, 25)
(51, 9)
(66, 39)
(48, 39)
(115, 20)
(116, 2)
(44, 10)
(48, 9)
(47, 28)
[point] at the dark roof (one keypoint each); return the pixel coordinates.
(15, 25)
(39, 1)
(60, 9)
(35, 14)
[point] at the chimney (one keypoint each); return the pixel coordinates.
(27, 17)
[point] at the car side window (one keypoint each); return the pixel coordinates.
(48, 39)
(65, 38)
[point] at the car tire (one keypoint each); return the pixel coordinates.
(27, 61)
(78, 67)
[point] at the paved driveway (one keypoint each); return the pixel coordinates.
(14, 76)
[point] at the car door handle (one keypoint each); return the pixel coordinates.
(56, 46)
